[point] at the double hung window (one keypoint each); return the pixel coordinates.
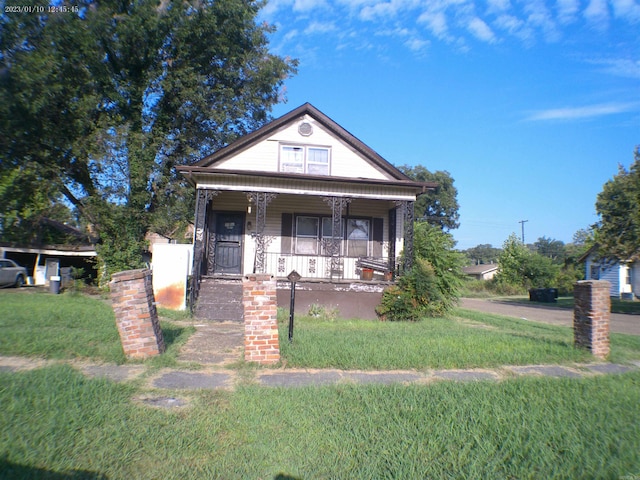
(304, 159)
(314, 235)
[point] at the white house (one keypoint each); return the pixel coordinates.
(481, 272)
(301, 193)
(623, 277)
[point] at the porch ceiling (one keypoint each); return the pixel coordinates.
(208, 178)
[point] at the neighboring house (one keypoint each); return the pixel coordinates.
(44, 262)
(623, 277)
(301, 193)
(481, 272)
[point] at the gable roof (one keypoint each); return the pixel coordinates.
(306, 109)
(480, 269)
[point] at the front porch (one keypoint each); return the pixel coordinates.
(323, 238)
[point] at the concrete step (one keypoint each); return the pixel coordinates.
(220, 301)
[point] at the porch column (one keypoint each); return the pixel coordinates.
(261, 200)
(407, 225)
(337, 205)
(203, 197)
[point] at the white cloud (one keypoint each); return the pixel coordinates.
(622, 67)
(576, 113)
(597, 12)
(540, 17)
(498, 6)
(567, 10)
(307, 5)
(481, 30)
(320, 27)
(627, 9)
(516, 27)
(436, 22)
(417, 44)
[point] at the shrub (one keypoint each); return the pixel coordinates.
(417, 294)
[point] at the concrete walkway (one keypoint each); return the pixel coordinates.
(213, 377)
(620, 322)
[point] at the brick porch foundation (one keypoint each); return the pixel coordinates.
(591, 316)
(259, 300)
(136, 315)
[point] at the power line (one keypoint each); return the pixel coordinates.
(522, 222)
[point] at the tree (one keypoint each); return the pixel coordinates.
(618, 205)
(432, 287)
(439, 207)
(551, 248)
(520, 267)
(105, 101)
(482, 254)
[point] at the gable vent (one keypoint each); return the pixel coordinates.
(305, 129)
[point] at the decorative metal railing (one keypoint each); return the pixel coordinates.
(324, 267)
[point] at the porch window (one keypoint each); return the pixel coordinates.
(302, 159)
(358, 237)
(313, 235)
(307, 235)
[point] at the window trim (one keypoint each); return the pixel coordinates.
(305, 158)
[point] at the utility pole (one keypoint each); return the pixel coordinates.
(522, 222)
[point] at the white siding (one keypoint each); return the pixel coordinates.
(264, 157)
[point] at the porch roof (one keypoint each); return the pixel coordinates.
(299, 184)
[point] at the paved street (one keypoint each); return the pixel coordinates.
(620, 323)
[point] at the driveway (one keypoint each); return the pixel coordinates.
(620, 322)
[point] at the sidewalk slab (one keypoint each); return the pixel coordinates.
(609, 368)
(186, 380)
(386, 378)
(546, 371)
(465, 375)
(299, 379)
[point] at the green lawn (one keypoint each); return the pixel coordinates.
(467, 340)
(69, 326)
(54, 423)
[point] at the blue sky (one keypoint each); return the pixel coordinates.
(529, 105)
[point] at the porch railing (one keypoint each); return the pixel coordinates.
(320, 267)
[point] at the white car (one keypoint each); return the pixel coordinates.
(12, 274)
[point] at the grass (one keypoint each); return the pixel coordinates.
(55, 423)
(70, 326)
(467, 340)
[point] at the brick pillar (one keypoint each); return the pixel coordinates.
(261, 343)
(591, 316)
(136, 315)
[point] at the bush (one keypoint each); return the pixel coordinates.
(432, 287)
(418, 294)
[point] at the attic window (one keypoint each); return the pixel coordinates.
(304, 159)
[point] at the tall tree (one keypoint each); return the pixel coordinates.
(618, 205)
(105, 100)
(439, 207)
(482, 254)
(551, 248)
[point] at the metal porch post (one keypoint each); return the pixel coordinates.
(261, 200)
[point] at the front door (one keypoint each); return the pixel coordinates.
(228, 243)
